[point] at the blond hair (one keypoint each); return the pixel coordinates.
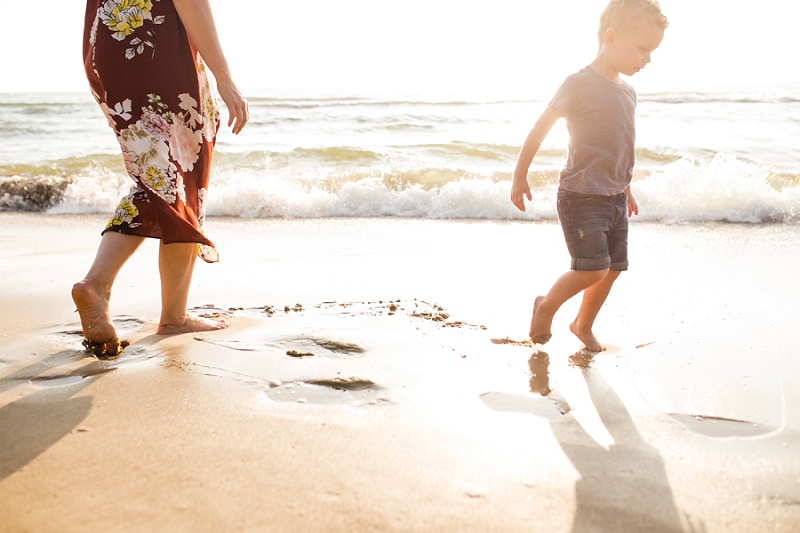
(624, 15)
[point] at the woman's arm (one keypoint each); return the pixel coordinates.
(199, 23)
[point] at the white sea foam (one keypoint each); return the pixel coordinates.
(724, 189)
(687, 190)
(96, 192)
(476, 198)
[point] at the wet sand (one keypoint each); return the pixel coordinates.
(375, 377)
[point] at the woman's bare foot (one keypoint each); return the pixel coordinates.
(586, 336)
(540, 324)
(96, 322)
(191, 324)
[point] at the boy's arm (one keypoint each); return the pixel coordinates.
(198, 20)
(520, 188)
(633, 206)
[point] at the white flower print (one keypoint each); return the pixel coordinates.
(180, 188)
(189, 104)
(93, 33)
(201, 208)
(123, 109)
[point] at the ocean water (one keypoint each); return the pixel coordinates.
(701, 157)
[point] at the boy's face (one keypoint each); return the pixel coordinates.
(630, 50)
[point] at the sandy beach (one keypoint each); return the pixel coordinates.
(375, 377)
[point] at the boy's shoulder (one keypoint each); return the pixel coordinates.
(588, 77)
(586, 89)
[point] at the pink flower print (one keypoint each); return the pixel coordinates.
(155, 125)
(184, 145)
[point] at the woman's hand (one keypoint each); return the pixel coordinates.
(238, 110)
(198, 20)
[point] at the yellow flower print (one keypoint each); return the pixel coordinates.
(155, 178)
(125, 213)
(123, 17)
(161, 182)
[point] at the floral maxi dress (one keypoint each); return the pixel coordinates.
(153, 87)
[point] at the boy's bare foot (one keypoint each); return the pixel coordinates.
(586, 336)
(191, 324)
(96, 323)
(539, 322)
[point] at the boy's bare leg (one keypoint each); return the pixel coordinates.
(565, 287)
(91, 295)
(176, 265)
(593, 299)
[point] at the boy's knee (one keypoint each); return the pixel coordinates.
(594, 276)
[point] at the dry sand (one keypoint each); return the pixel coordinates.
(373, 379)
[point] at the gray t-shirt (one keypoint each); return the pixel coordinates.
(600, 118)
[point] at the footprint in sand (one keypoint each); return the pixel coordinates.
(711, 426)
(123, 325)
(240, 346)
(56, 381)
(297, 347)
(213, 312)
(353, 391)
(312, 346)
(506, 341)
(127, 324)
(65, 380)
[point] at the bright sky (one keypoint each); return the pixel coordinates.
(496, 46)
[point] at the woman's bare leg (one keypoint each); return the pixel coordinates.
(176, 265)
(91, 295)
(593, 299)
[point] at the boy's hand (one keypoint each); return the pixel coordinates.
(519, 191)
(633, 207)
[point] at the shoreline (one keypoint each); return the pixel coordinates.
(411, 420)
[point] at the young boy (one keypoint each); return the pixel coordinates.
(594, 196)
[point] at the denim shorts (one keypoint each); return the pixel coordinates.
(596, 230)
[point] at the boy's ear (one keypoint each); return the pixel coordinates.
(609, 36)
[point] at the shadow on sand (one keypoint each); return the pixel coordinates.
(621, 488)
(37, 421)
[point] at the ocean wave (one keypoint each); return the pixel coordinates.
(724, 189)
(684, 191)
(706, 98)
(481, 150)
(688, 190)
(334, 154)
(456, 151)
(311, 102)
(47, 102)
